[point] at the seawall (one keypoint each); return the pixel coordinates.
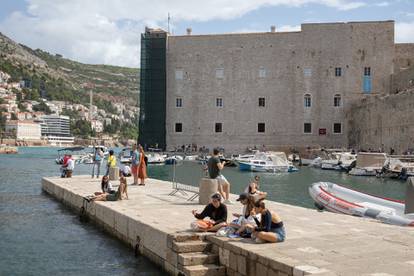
(157, 225)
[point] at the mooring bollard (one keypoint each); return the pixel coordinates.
(207, 187)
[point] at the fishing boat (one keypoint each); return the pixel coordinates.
(369, 164)
(268, 162)
(338, 199)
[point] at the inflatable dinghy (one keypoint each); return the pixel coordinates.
(338, 199)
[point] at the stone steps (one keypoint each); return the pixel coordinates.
(191, 246)
(197, 258)
(205, 270)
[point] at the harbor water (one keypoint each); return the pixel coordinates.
(41, 237)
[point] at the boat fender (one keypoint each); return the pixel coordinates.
(372, 213)
(319, 206)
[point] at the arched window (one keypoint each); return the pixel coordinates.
(337, 100)
(307, 100)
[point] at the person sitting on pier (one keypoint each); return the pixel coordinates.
(106, 186)
(118, 195)
(216, 211)
(125, 171)
(245, 217)
(253, 190)
(270, 228)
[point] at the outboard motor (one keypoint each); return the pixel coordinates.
(352, 165)
(409, 196)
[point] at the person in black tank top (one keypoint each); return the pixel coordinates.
(270, 228)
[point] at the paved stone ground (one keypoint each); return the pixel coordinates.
(318, 242)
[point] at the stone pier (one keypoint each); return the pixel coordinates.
(318, 243)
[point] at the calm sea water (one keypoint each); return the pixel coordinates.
(38, 236)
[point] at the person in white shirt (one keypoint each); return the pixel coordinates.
(67, 169)
(125, 171)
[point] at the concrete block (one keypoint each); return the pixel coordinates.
(121, 224)
(224, 257)
(241, 264)
(261, 269)
(191, 246)
(207, 187)
(251, 267)
(172, 257)
(233, 261)
(205, 270)
(197, 258)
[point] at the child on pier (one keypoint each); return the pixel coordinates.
(217, 213)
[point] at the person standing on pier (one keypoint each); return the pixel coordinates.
(111, 162)
(97, 162)
(142, 167)
(215, 166)
(135, 163)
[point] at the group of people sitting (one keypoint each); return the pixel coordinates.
(255, 221)
(108, 192)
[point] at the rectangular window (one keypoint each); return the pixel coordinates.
(261, 127)
(307, 100)
(219, 127)
(262, 73)
(179, 102)
(337, 100)
(367, 71)
(219, 102)
(262, 102)
(179, 74)
(338, 71)
(337, 128)
(219, 73)
(307, 128)
(178, 127)
(307, 72)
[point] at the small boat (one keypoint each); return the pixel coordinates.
(4, 149)
(125, 156)
(369, 164)
(268, 162)
(79, 155)
(338, 199)
(339, 161)
(191, 157)
(174, 159)
(155, 158)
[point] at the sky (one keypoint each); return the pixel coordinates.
(108, 31)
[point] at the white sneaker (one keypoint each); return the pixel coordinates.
(228, 202)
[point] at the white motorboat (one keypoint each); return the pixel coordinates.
(155, 158)
(369, 164)
(125, 156)
(79, 155)
(338, 161)
(267, 162)
(174, 159)
(338, 199)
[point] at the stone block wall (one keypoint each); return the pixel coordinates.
(292, 64)
(383, 122)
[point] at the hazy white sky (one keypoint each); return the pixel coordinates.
(108, 31)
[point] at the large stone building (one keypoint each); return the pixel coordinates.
(275, 88)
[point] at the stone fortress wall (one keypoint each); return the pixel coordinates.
(281, 68)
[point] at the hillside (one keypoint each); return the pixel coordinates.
(64, 79)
